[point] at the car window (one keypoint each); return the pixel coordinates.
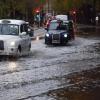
(9, 29)
(62, 27)
(58, 26)
(24, 28)
(53, 25)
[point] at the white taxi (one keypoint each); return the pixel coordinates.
(14, 38)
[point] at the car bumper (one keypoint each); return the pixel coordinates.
(9, 51)
(60, 40)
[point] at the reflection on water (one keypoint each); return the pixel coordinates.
(12, 66)
(37, 38)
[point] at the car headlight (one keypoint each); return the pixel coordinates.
(65, 35)
(12, 43)
(47, 35)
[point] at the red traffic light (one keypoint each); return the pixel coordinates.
(74, 12)
(37, 10)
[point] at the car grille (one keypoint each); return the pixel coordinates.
(1, 45)
(56, 37)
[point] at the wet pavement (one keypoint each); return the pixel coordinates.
(85, 86)
(53, 72)
(88, 31)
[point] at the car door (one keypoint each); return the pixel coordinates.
(25, 38)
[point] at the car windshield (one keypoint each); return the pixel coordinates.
(57, 26)
(53, 25)
(8, 29)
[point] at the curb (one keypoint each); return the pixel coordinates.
(38, 28)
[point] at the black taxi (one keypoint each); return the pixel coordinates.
(59, 32)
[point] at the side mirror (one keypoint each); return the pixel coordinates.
(23, 34)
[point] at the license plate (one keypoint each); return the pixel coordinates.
(55, 41)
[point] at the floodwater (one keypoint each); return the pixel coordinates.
(85, 86)
(53, 72)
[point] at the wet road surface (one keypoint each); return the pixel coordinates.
(85, 86)
(89, 31)
(50, 68)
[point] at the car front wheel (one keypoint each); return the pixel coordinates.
(19, 51)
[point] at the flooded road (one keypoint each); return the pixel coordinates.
(52, 72)
(85, 86)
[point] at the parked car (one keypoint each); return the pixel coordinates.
(14, 38)
(59, 32)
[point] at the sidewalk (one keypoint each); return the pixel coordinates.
(88, 30)
(81, 27)
(38, 33)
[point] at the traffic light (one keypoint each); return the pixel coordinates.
(37, 10)
(74, 12)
